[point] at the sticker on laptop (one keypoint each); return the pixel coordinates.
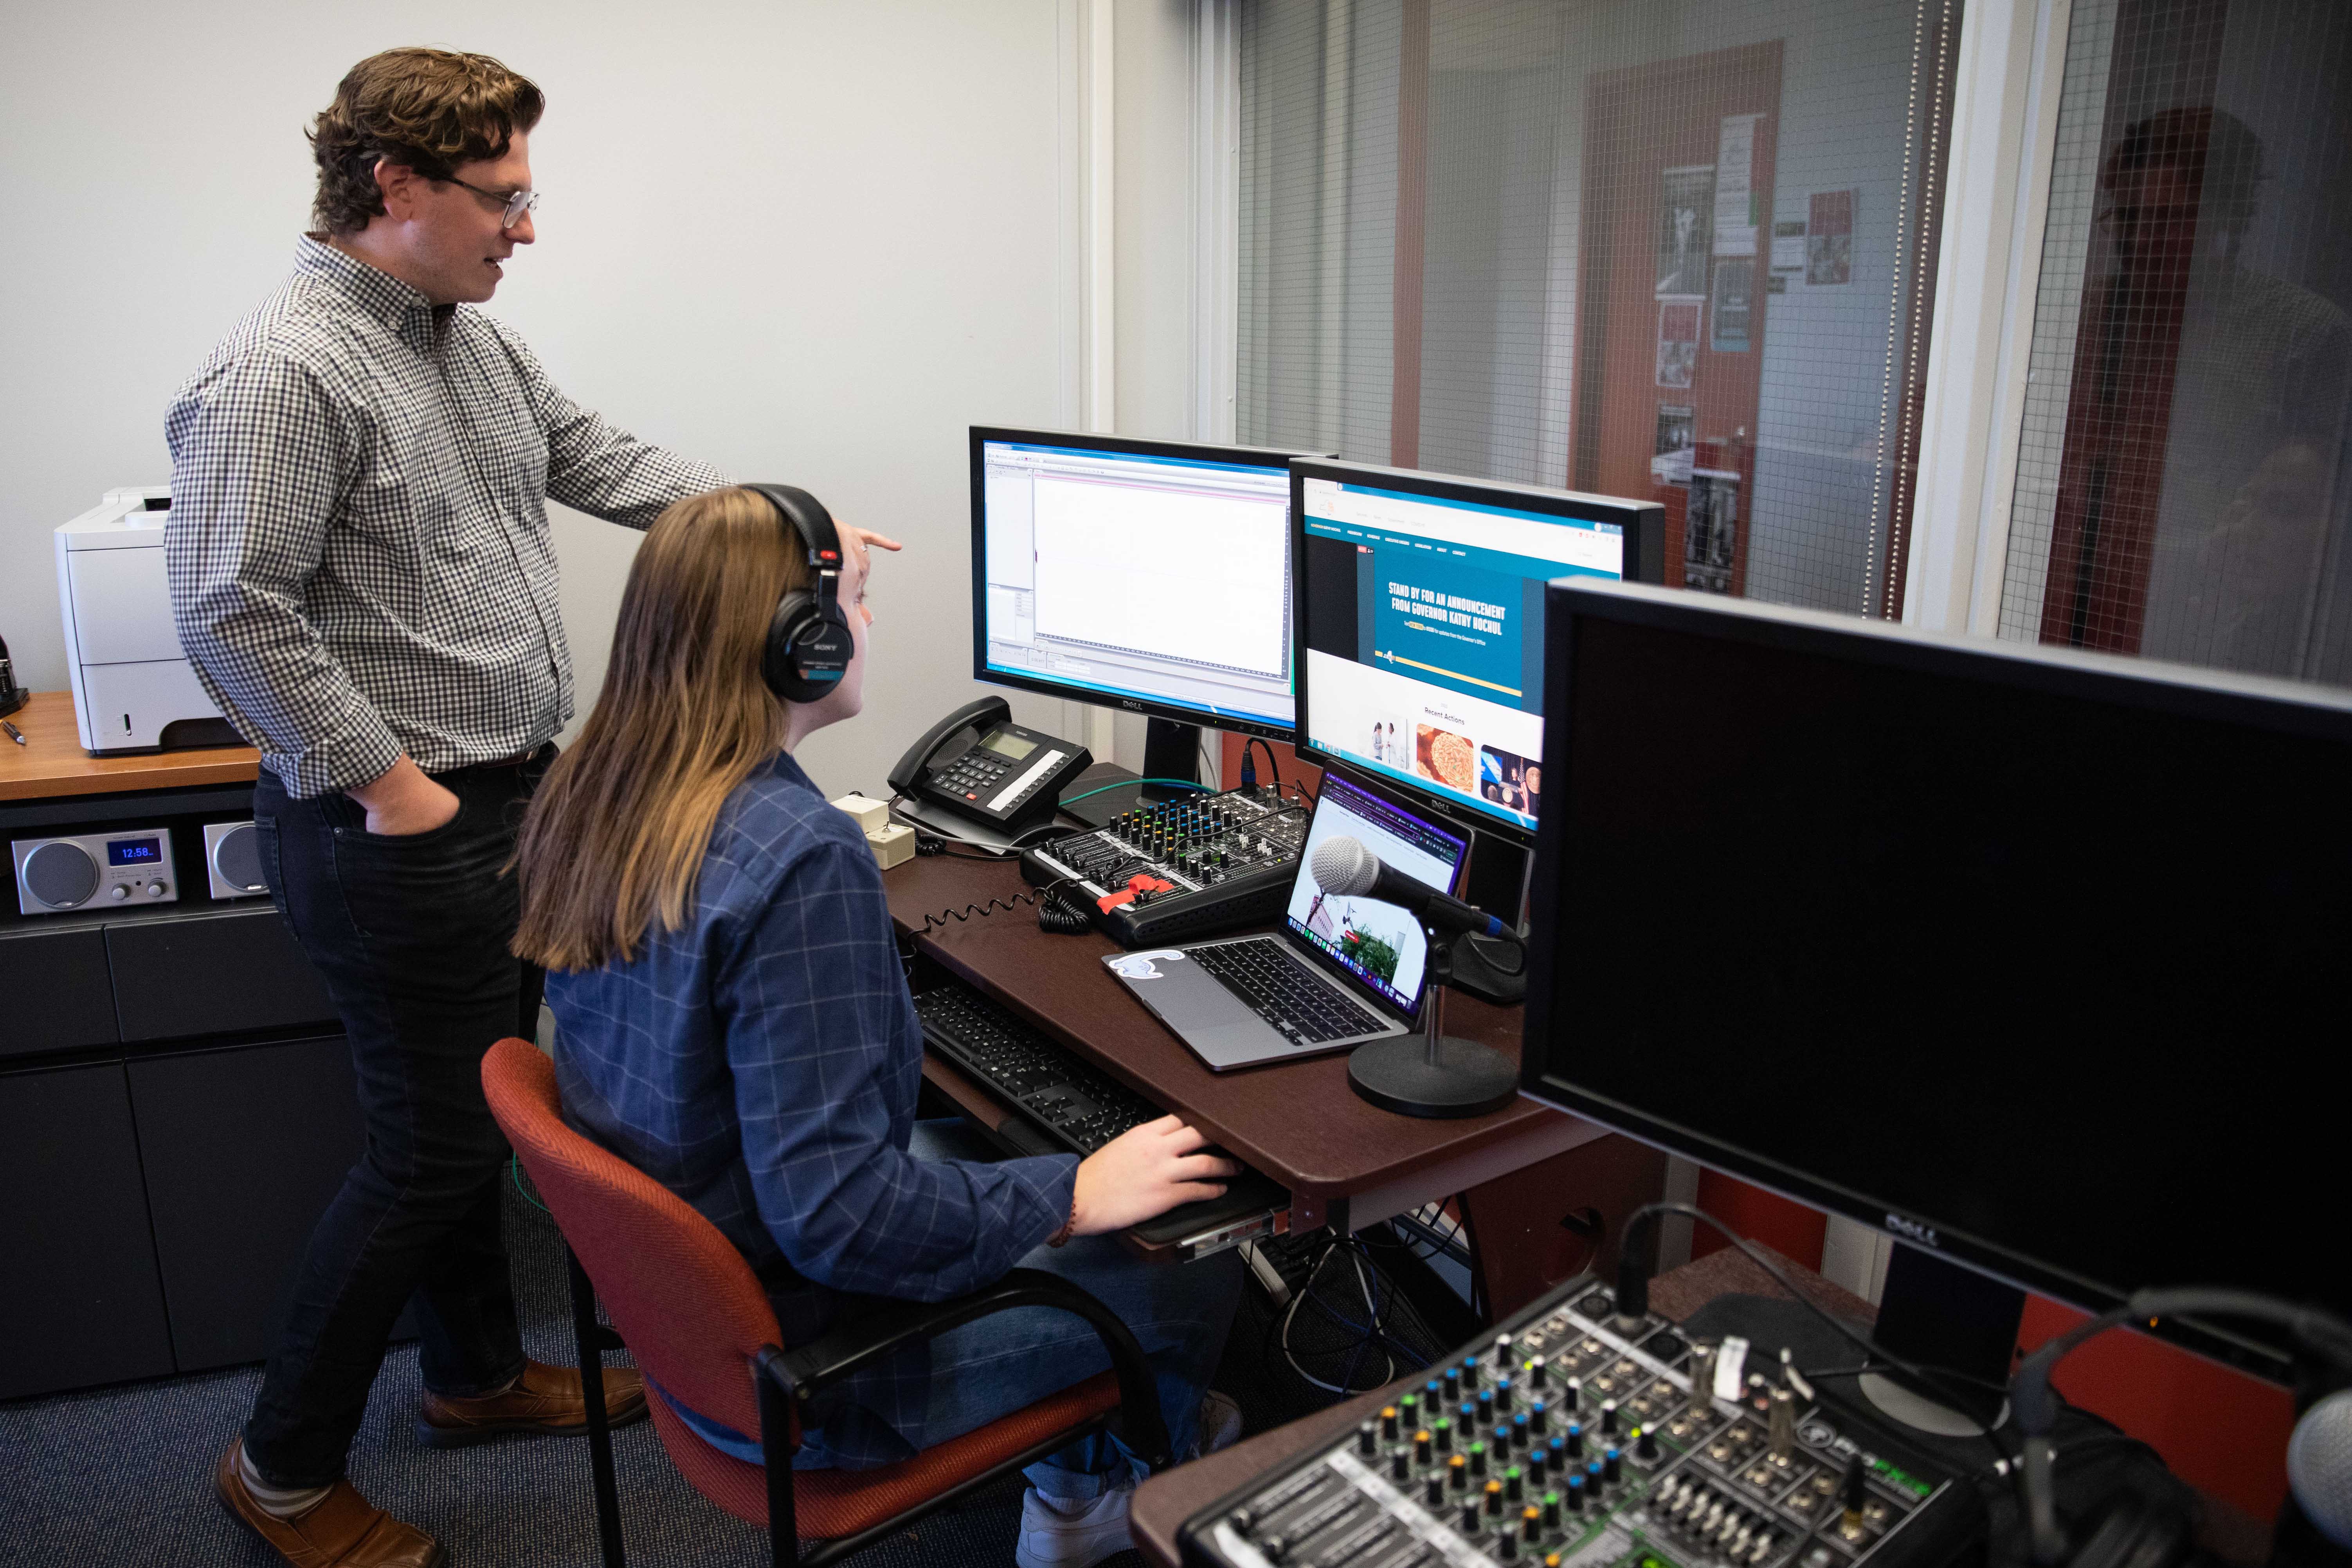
(1139, 965)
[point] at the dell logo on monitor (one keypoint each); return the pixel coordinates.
(1131, 702)
(1912, 1228)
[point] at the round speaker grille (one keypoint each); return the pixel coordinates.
(60, 875)
(237, 858)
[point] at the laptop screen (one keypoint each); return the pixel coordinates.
(1378, 946)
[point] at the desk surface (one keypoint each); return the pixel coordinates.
(1164, 1502)
(51, 763)
(1298, 1121)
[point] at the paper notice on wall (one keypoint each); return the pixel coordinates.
(1733, 308)
(1735, 185)
(1686, 208)
(1789, 245)
(1829, 239)
(1677, 340)
(1677, 442)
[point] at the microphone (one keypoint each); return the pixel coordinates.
(1343, 866)
(2319, 1466)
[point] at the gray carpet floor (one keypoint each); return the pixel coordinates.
(123, 1475)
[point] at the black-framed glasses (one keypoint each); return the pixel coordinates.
(515, 203)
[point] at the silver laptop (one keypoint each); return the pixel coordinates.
(1340, 972)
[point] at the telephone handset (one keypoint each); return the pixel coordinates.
(978, 761)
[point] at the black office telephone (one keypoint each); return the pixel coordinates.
(978, 761)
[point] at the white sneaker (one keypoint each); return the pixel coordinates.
(1079, 1535)
(1220, 1423)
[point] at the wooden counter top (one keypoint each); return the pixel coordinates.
(51, 763)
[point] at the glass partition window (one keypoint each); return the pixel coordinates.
(1675, 250)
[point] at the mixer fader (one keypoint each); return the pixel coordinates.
(1574, 1439)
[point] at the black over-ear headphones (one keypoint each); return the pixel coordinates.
(809, 645)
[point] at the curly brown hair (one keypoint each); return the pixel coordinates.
(427, 109)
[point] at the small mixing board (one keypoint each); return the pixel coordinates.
(1184, 868)
(1573, 1440)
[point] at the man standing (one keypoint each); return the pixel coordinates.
(362, 574)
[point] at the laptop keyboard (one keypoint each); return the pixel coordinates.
(1281, 990)
(1081, 1107)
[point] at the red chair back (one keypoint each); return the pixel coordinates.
(690, 1307)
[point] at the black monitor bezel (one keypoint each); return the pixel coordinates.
(1644, 548)
(2170, 689)
(1175, 713)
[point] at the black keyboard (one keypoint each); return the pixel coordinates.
(1282, 991)
(1081, 1107)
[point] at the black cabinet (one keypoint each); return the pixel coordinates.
(54, 991)
(226, 970)
(83, 1302)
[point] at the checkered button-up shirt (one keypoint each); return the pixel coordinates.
(358, 546)
(763, 1062)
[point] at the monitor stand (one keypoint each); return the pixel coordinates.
(1937, 1314)
(1171, 750)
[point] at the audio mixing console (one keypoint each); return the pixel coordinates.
(1573, 1439)
(1185, 869)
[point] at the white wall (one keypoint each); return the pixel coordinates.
(808, 242)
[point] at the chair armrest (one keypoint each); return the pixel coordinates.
(850, 1348)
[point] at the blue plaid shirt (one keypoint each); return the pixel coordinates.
(761, 1062)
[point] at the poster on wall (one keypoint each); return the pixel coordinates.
(1734, 304)
(1677, 442)
(1829, 239)
(1711, 530)
(1789, 245)
(1686, 229)
(1736, 216)
(1677, 340)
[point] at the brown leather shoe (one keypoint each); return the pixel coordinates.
(342, 1530)
(548, 1400)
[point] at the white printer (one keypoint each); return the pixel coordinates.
(133, 690)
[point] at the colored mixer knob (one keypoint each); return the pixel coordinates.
(1503, 1394)
(1531, 1523)
(1538, 1460)
(1551, 1510)
(1537, 1376)
(1519, 1430)
(1409, 1407)
(1469, 1371)
(1388, 1422)
(1611, 1463)
(1457, 1473)
(1478, 1459)
(1452, 1379)
(1508, 1547)
(1494, 1500)
(1433, 1491)
(1573, 1440)
(1470, 1516)
(1574, 1496)
(1367, 1438)
(1539, 1417)
(1514, 1484)
(1608, 1418)
(1485, 1407)
(1595, 1477)
(1645, 1443)
(1421, 1446)
(1400, 1465)
(1443, 1432)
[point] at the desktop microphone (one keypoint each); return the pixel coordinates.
(1345, 867)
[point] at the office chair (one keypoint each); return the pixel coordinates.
(689, 1308)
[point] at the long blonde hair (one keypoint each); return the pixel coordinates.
(616, 834)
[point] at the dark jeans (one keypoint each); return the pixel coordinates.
(411, 934)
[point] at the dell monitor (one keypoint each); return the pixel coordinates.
(2023, 956)
(1152, 576)
(1421, 614)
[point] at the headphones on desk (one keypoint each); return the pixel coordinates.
(809, 645)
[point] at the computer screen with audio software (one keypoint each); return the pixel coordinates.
(1149, 575)
(1421, 612)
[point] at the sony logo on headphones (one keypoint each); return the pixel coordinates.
(1913, 1229)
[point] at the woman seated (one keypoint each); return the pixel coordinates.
(733, 1022)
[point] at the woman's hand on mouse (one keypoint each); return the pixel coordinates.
(1145, 1172)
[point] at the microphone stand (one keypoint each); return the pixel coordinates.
(1439, 1076)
